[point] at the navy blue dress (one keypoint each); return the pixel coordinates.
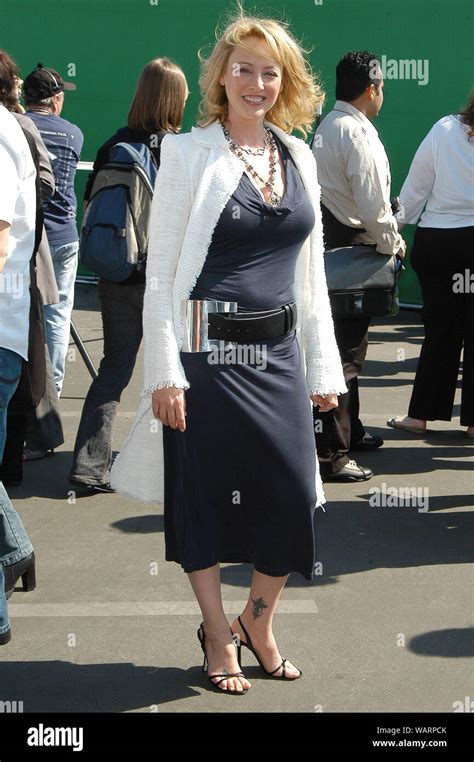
(240, 481)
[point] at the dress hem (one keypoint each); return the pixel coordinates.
(234, 560)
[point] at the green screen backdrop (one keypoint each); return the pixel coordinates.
(102, 45)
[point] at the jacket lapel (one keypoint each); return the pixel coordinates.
(213, 186)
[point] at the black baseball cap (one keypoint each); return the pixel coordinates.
(44, 82)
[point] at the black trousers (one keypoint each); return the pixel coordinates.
(338, 429)
(41, 428)
(443, 260)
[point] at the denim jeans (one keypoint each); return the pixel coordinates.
(14, 542)
(122, 308)
(4, 619)
(58, 316)
(10, 372)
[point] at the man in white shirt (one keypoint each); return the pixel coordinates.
(354, 175)
(17, 235)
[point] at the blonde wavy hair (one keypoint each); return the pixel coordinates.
(300, 94)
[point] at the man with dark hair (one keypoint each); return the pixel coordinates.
(355, 72)
(354, 175)
(44, 98)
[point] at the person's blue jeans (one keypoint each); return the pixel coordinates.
(122, 308)
(4, 620)
(10, 374)
(14, 541)
(58, 316)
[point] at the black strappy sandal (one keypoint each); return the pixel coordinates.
(248, 644)
(202, 639)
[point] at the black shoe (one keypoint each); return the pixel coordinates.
(5, 637)
(248, 644)
(351, 472)
(205, 668)
(36, 453)
(106, 487)
(92, 488)
(24, 568)
(368, 442)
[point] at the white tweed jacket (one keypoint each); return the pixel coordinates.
(198, 173)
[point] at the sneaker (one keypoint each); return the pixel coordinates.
(351, 472)
(91, 488)
(107, 487)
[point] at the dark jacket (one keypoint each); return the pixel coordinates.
(33, 379)
(44, 264)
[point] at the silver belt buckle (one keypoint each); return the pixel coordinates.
(194, 313)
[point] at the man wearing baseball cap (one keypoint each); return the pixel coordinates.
(44, 99)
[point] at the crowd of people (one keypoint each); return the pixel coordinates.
(242, 212)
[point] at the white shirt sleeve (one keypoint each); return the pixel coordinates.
(9, 183)
(419, 183)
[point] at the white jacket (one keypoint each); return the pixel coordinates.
(197, 175)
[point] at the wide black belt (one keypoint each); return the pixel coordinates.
(252, 326)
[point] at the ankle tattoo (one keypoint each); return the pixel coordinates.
(258, 607)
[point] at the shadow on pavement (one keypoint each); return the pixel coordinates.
(60, 686)
(353, 537)
(447, 643)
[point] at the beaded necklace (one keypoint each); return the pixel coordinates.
(274, 199)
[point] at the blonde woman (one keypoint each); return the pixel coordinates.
(236, 219)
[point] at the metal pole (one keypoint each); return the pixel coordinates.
(317, 123)
(83, 351)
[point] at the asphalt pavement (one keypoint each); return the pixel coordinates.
(385, 627)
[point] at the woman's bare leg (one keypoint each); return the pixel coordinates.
(258, 619)
(221, 653)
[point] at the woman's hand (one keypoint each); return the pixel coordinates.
(169, 405)
(325, 402)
